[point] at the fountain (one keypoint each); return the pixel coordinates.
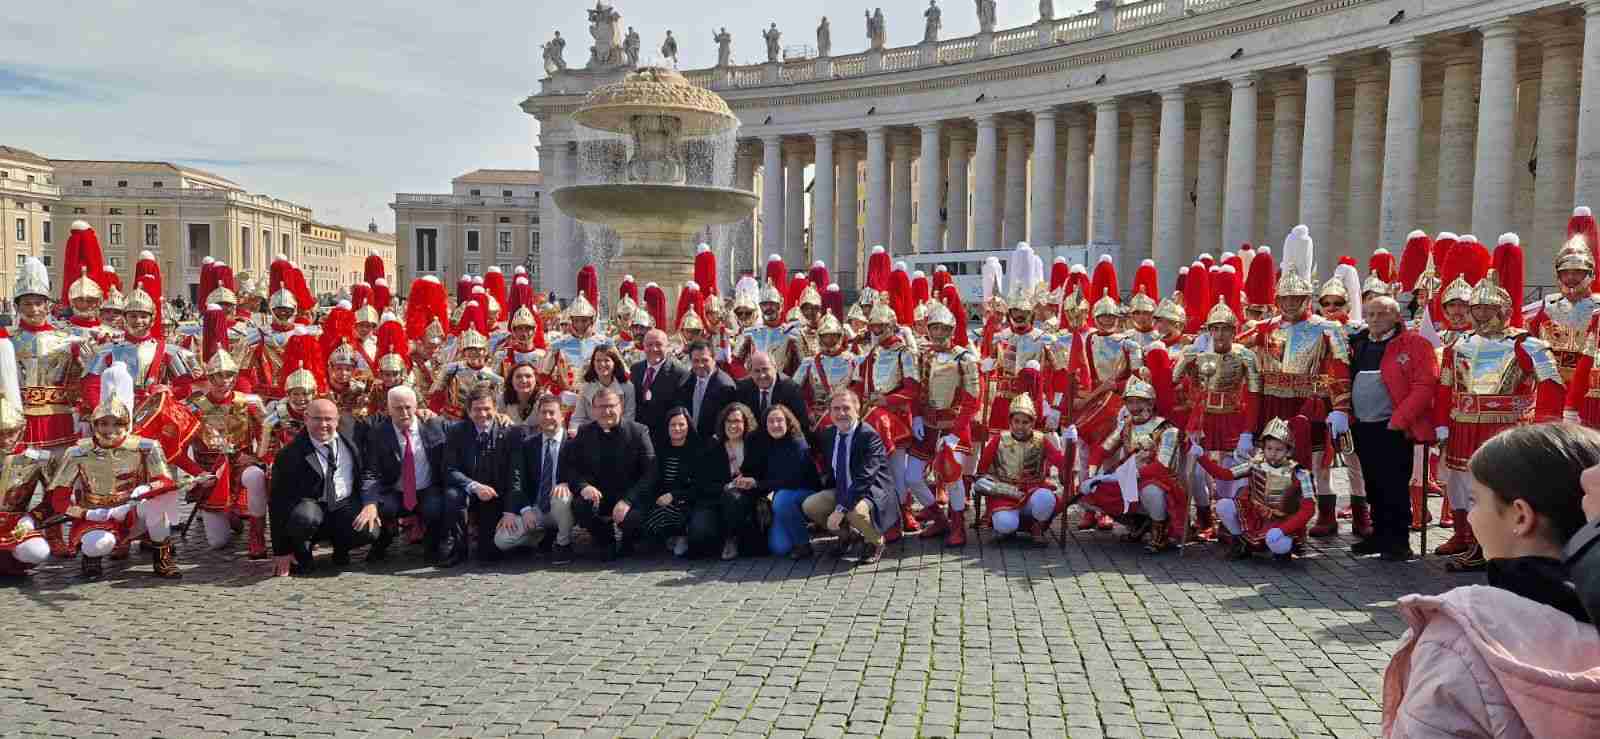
(653, 151)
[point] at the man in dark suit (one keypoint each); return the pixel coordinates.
(706, 391)
(763, 388)
(534, 514)
(315, 493)
(391, 488)
(857, 468)
(609, 469)
(482, 460)
(656, 381)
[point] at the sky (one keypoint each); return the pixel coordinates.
(339, 104)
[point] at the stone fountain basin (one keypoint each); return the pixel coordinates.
(655, 208)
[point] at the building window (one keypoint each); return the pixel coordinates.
(122, 183)
(116, 234)
(505, 219)
(533, 241)
(244, 243)
(266, 241)
(505, 243)
(116, 263)
(286, 249)
(116, 211)
(472, 268)
(46, 232)
(427, 249)
(88, 183)
(22, 229)
(505, 193)
(475, 192)
(79, 211)
(157, 183)
(46, 259)
(505, 267)
(21, 259)
(149, 211)
(472, 242)
(472, 219)
(4, 175)
(152, 234)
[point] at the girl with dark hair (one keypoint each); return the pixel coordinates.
(675, 460)
(521, 392)
(605, 370)
(785, 469)
(1516, 657)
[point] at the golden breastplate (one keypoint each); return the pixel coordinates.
(1295, 348)
(1019, 350)
(1219, 372)
(1275, 487)
(1156, 435)
(945, 375)
(105, 477)
(463, 379)
(1108, 354)
(826, 373)
(885, 369)
(1485, 366)
(1019, 462)
(43, 358)
(773, 340)
(227, 426)
(1143, 338)
(20, 474)
(1566, 323)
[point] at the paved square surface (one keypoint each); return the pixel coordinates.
(1097, 639)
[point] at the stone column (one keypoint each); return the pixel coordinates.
(846, 239)
(1106, 144)
(1283, 201)
(771, 199)
(983, 200)
(1042, 229)
(1493, 177)
(1141, 187)
(822, 203)
(1060, 196)
(1402, 131)
(554, 259)
(1016, 221)
(1169, 247)
(1316, 153)
(741, 255)
(1587, 182)
(794, 210)
(930, 172)
(1239, 199)
(1075, 206)
(877, 187)
(955, 202)
(1458, 132)
(1558, 131)
(1366, 166)
(1210, 175)
(900, 216)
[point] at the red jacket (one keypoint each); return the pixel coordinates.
(1410, 371)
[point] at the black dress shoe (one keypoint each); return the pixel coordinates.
(1366, 547)
(561, 554)
(874, 552)
(341, 557)
(547, 543)
(801, 551)
(1400, 553)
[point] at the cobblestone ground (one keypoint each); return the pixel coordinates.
(1096, 639)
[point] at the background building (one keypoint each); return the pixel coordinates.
(333, 257)
(489, 217)
(28, 199)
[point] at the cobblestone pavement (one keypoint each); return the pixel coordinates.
(1096, 639)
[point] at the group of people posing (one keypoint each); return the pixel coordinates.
(743, 424)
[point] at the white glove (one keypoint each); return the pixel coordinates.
(918, 427)
(950, 440)
(1088, 485)
(723, 355)
(114, 513)
(987, 365)
(1071, 434)
(1571, 417)
(140, 492)
(1338, 423)
(1442, 432)
(1247, 444)
(569, 398)
(1196, 451)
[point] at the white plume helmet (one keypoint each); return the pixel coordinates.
(116, 382)
(1351, 279)
(994, 279)
(10, 383)
(1298, 251)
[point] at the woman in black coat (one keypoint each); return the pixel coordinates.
(725, 509)
(785, 469)
(676, 460)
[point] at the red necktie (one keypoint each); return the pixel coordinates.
(408, 475)
(649, 377)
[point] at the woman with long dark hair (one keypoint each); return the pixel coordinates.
(675, 460)
(521, 393)
(605, 370)
(1516, 657)
(784, 468)
(725, 513)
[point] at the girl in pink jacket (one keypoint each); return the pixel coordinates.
(1518, 657)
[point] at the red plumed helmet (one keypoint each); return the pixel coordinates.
(921, 289)
(277, 275)
(1225, 290)
(1158, 370)
(941, 277)
(1197, 296)
(302, 291)
(1443, 245)
(655, 303)
(628, 289)
(900, 296)
(1381, 264)
(951, 297)
(791, 296)
(1347, 259)
(1058, 272)
(1177, 285)
(689, 298)
(1104, 281)
(494, 282)
(589, 285)
(392, 340)
(1261, 284)
(381, 296)
(1508, 266)
(818, 275)
(833, 301)
(1467, 259)
(778, 274)
(372, 268)
(1582, 223)
(1207, 260)
(1414, 260)
(878, 266)
(522, 297)
(360, 295)
(302, 352)
(464, 288)
(1146, 280)
(1078, 280)
(84, 259)
(705, 270)
(426, 302)
(213, 331)
(338, 326)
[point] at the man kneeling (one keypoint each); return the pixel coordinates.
(1138, 483)
(1013, 473)
(314, 494)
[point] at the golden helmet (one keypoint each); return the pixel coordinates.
(691, 322)
(85, 287)
(1376, 286)
(770, 294)
(939, 315)
(621, 313)
(580, 308)
(810, 296)
(1489, 292)
(744, 302)
(642, 318)
(344, 356)
(1221, 314)
(391, 362)
(367, 314)
(1141, 303)
(471, 339)
(301, 379)
(882, 313)
(1138, 389)
(115, 301)
(1107, 306)
(1292, 285)
(33, 279)
(1278, 429)
(221, 362)
(222, 295)
(855, 314)
(140, 301)
(1334, 287)
(434, 333)
(1575, 254)
(714, 307)
(112, 406)
(829, 325)
(523, 318)
(116, 395)
(1021, 299)
(1023, 403)
(1172, 310)
(283, 299)
(1458, 289)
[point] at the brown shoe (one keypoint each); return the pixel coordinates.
(163, 559)
(874, 552)
(91, 568)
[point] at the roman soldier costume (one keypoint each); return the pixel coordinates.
(266, 359)
(1014, 349)
(448, 396)
(1110, 359)
(887, 383)
(946, 404)
(23, 469)
(1015, 477)
(771, 335)
(1566, 316)
(522, 347)
(233, 427)
(1491, 379)
(804, 330)
(286, 417)
(1224, 398)
(1273, 513)
(49, 361)
(154, 362)
(347, 388)
(425, 321)
(831, 368)
(568, 357)
(1138, 482)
